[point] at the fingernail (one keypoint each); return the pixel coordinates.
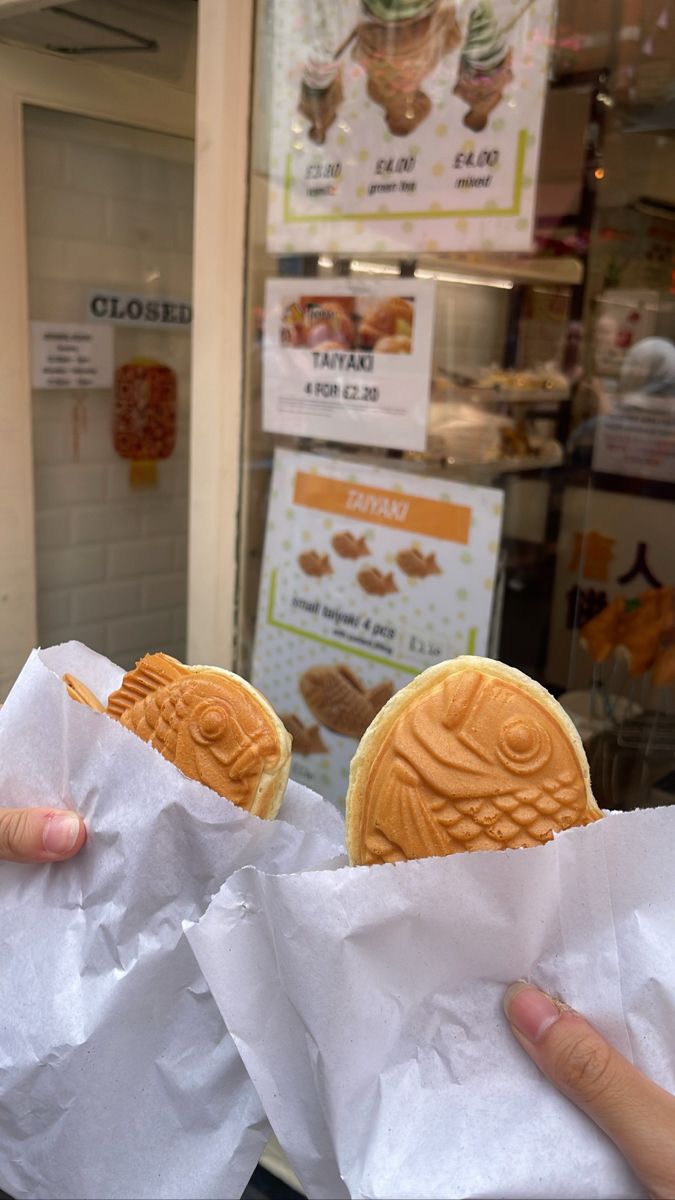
(530, 1011)
(61, 832)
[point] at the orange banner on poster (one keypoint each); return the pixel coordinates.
(433, 518)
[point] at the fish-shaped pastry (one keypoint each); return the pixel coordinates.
(643, 628)
(306, 738)
(375, 583)
(315, 564)
(348, 546)
(213, 725)
(472, 755)
(599, 636)
(340, 701)
(412, 562)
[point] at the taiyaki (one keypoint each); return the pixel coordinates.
(306, 738)
(340, 701)
(472, 755)
(663, 671)
(315, 564)
(215, 727)
(599, 636)
(348, 546)
(80, 692)
(375, 583)
(642, 628)
(413, 562)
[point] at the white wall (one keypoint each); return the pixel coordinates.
(107, 205)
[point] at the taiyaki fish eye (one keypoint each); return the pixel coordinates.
(523, 746)
(211, 722)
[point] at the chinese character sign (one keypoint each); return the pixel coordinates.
(406, 124)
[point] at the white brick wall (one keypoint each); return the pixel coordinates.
(108, 206)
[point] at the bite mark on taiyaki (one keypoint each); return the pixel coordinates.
(338, 699)
(472, 755)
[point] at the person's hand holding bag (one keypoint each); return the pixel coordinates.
(635, 1113)
(34, 835)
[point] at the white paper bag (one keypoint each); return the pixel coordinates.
(117, 1076)
(367, 1005)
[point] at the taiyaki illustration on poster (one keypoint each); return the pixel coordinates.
(369, 575)
(349, 360)
(406, 124)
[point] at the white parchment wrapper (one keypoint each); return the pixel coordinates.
(367, 1005)
(117, 1077)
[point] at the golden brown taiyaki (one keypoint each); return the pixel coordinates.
(80, 692)
(315, 564)
(412, 562)
(472, 755)
(348, 546)
(599, 636)
(375, 583)
(340, 701)
(643, 627)
(213, 725)
(306, 738)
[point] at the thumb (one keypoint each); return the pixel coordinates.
(635, 1113)
(40, 834)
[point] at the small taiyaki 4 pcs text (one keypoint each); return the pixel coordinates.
(213, 725)
(472, 755)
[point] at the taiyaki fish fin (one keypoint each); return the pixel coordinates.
(361, 546)
(379, 694)
(324, 563)
(151, 672)
(388, 582)
(432, 567)
(80, 692)
(407, 814)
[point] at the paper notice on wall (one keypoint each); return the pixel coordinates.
(369, 576)
(637, 444)
(349, 360)
(406, 124)
(67, 355)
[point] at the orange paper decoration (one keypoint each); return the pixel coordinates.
(144, 423)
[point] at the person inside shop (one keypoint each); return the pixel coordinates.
(646, 385)
(635, 1113)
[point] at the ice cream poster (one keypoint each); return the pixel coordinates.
(369, 575)
(403, 125)
(349, 360)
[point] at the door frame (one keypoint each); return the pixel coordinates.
(91, 90)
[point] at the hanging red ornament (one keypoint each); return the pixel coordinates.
(144, 423)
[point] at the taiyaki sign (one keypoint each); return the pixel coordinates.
(349, 360)
(369, 576)
(406, 124)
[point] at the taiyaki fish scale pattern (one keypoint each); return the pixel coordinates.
(475, 765)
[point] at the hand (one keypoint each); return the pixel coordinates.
(637, 1115)
(40, 834)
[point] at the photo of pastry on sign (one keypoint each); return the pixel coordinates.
(349, 360)
(349, 323)
(406, 124)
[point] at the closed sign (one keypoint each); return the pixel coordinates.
(122, 308)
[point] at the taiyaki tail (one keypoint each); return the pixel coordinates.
(432, 567)
(80, 692)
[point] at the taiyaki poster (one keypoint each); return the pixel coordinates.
(369, 575)
(349, 360)
(406, 125)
